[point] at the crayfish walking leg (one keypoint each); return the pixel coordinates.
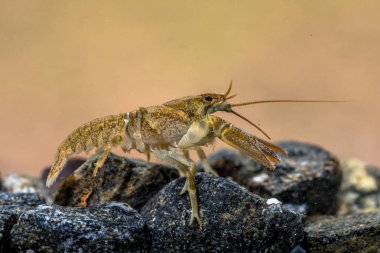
(185, 165)
(206, 165)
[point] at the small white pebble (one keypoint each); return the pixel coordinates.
(273, 201)
(18, 183)
(260, 178)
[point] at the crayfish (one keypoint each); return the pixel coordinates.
(170, 131)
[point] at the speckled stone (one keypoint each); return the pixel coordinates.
(107, 227)
(17, 202)
(234, 220)
(120, 179)
(345, 233)
(360, 191)
(308, 179)
(7, 220)
(11, 205)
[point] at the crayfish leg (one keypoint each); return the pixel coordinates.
(184, 165)
(206, 165)
(84, 198)
(102, 158)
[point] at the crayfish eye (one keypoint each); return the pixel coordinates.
(208, 98)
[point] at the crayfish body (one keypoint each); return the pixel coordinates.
(169, 131)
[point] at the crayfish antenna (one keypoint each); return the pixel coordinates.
(228, 91)
(289, 101)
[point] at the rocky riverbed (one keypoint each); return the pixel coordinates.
(310, 203)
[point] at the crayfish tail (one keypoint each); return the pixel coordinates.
(55, 170)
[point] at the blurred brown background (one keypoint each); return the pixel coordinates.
(63, 63)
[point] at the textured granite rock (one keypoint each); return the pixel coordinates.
(11, 205)
(7, 220)
(107, 227)
(120, 179)
(308, 179)
(345, 233)
(17, 202)
(234, 220)
(360, 191)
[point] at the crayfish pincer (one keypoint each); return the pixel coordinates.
(170, 131)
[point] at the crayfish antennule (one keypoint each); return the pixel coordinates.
(230, 97)
(228, 91)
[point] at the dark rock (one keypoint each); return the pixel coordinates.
(234, 220)
(18, 202)
(360, 189)
(120, 179)
(70, 166)
(308, 178)
(11, 205)
(107, 227)
(7, 220)
(346, 233)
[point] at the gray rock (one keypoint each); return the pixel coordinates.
(7, 220)
(107, 227)
(18, 202)
(308, 179)
(11, 205)
(360, 191)
(298, 249)
(345, 233)
(120, 179)
(234, 220)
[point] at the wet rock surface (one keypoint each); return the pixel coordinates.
(345, 233)
(234, 220)
(308, 179)
(120, 179)
(108, 227)
(360, 191)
